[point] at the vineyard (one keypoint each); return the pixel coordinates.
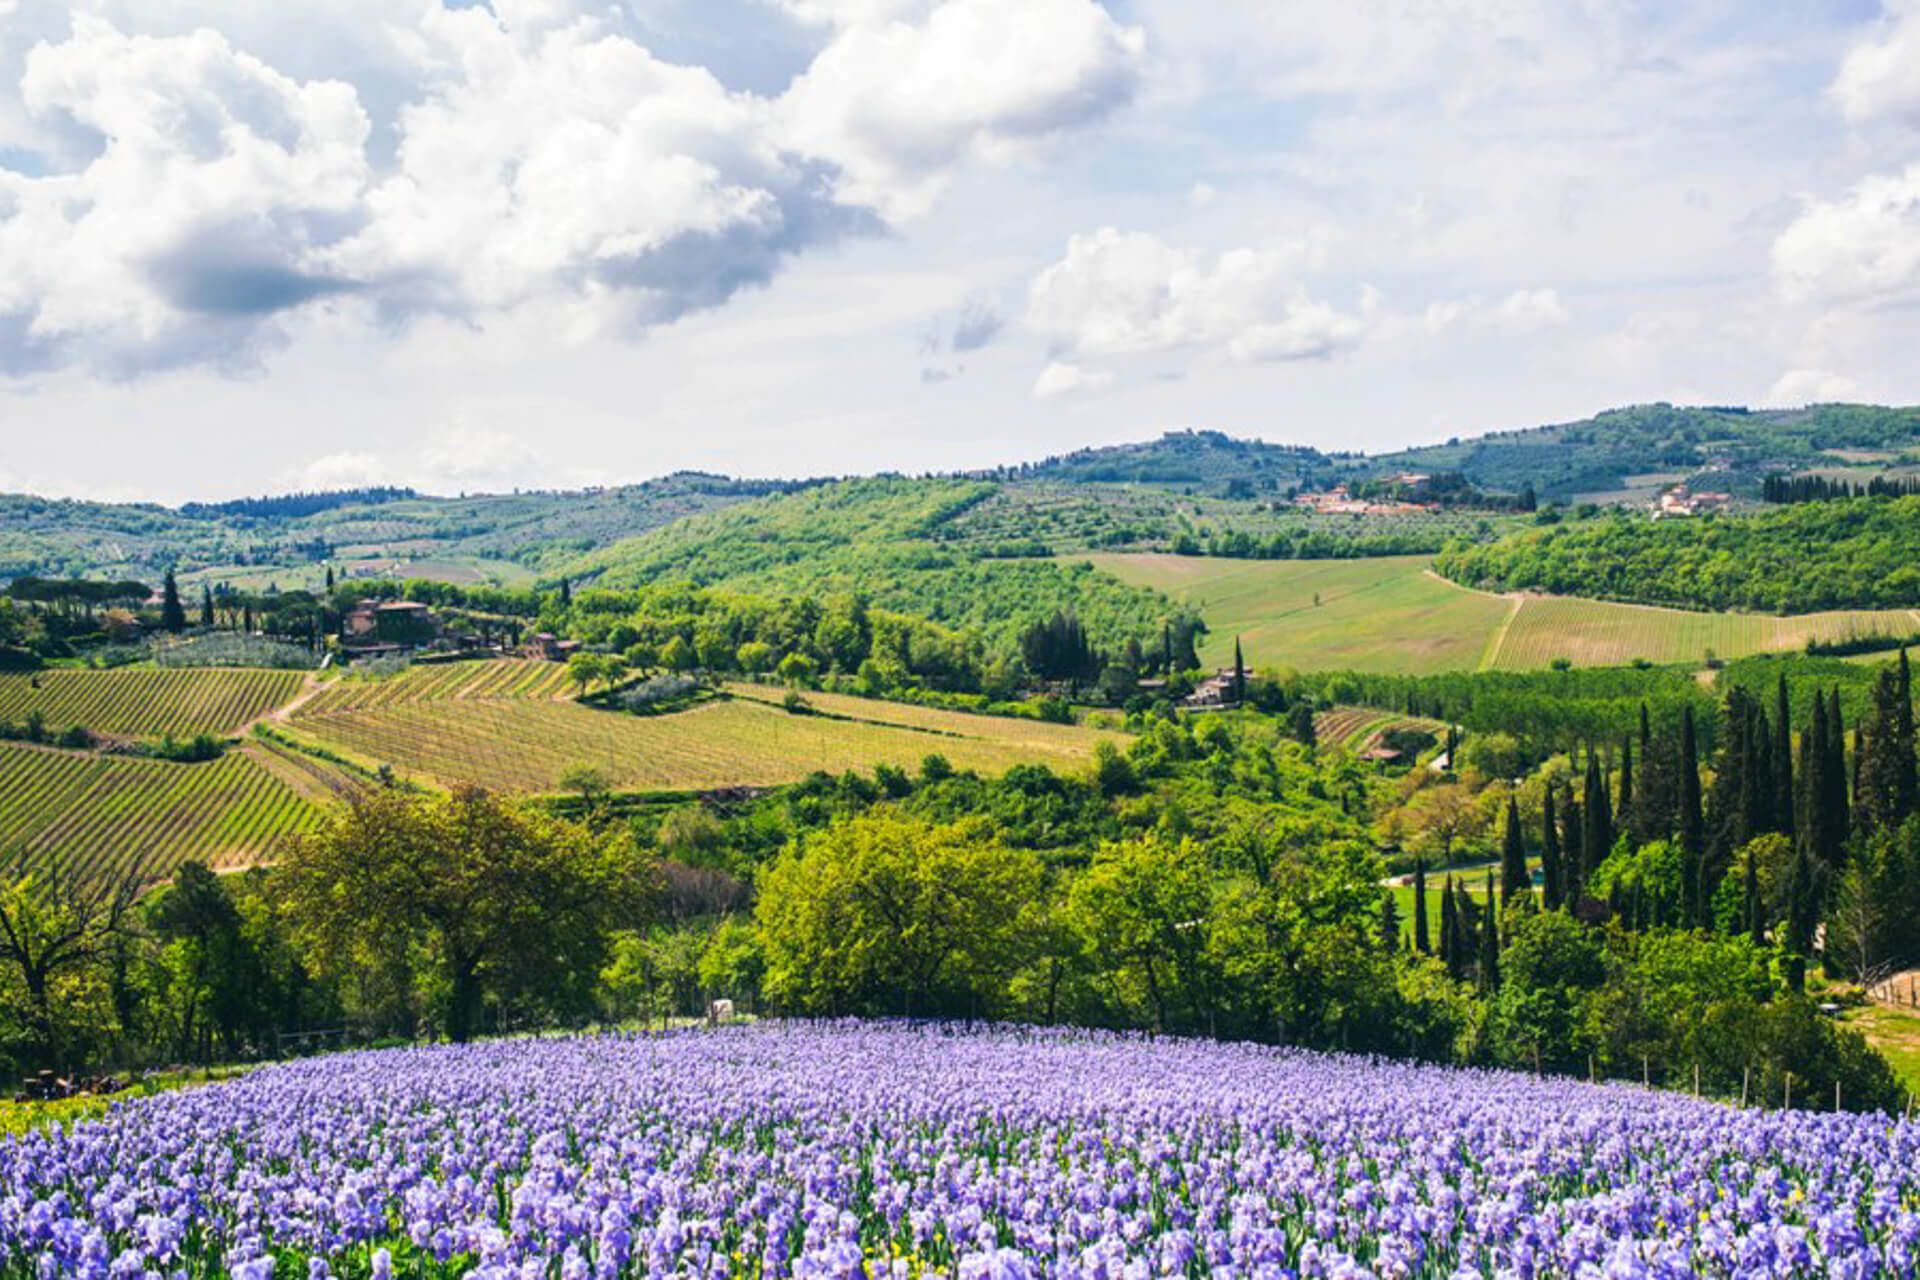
(1356, 728)
(107, 813)
(526, 745)
(144, 702)
(505, 678)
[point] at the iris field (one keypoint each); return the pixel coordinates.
(814, 1150)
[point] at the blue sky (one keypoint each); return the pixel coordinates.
(537, 243)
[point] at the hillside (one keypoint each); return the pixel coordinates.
(880, 539)
(1733, 447)
(486, 537)
(1855, 553)
(1394, 615)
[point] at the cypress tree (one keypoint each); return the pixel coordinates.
(1448, 929)
(1836, 814)
(173, 617)
(1490, 942)
(1166, 648)
(1782, 760)
(1623, 819)
(566, 593)
(1389, 924)
(1420, 939)
(329, 579)
(1239, 674)
(1596, 840)
(1906, 775)
(1756, 926)
(1553, 889)
(1514, 877)
(1689, 824)
(206, 606)
(1573, 877)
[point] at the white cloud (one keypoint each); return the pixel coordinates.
(347, 469)
(1062, 379)
(1521, 312)
(217, 183)
(1121, 293)
(530, 154)
(1863, 248)
(1797, 387)
(897, 105)
(482, 457)
(458, 458)
(1881, 75)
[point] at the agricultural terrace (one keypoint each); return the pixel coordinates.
(842, 1149)
(1393, 614)
(527, 744)
(1357, 728)
(108, 813)
(504, 678)
(148, 702)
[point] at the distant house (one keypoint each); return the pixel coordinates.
(1681, 501)
(544, 646)
(1382, 755)
(1216, 690)
(389, 624)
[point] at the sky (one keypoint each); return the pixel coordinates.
(250, 248)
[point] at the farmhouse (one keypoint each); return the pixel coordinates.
(1681, 501)
(1216, 690)
(387, 624)
(544, 646)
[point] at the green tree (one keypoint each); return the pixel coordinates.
(1515, 879)
(1538, 1020)
(884, 913)
(58, 924)
(173, 616)
(505, 903)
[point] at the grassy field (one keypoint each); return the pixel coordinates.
(504, 678)
(148, 702)
(1390, 614)
(526, 744)
(1593, 633)
(1380, 614)
(110, 812)
(1896, 1034)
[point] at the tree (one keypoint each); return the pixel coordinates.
(590, 783)
(1514, 876)
(1445, 814)
(56, 924)
(1596, 808)
(1421, 942)
(1553, 889)
(1550, 967)
(1689, 824)
(173, 617)
(1300, 723)
(503, 902)
(1144, 912)
(1389, 923)
(884, 913)
(1239, 674)
(206, 606)
(1782, 756)
(1490, 942)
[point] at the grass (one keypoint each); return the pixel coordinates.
(1390, 614)
(107, 813)
(1896, 1034)
(33, 1117)
(525, 745)
(1379, 614)
(1594, 633)
(148, 702)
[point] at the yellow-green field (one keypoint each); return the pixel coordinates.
(103, 813)
(1596, 633)
(1393, 614)
(148, 702)
(526, 744)
(1355, 728)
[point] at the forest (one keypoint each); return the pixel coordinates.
(1855, 553)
